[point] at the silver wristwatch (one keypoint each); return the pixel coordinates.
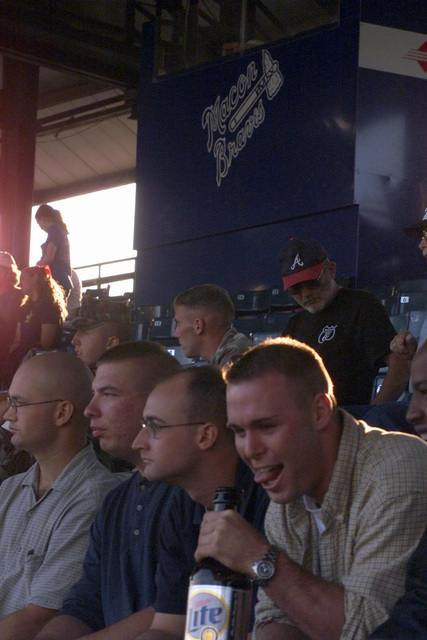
(265, 568)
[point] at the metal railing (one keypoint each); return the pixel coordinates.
(101, 275)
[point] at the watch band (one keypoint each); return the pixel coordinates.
(265, 568)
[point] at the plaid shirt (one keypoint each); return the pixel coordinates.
(375, 512)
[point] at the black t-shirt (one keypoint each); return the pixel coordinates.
(352, 335)
(32, 316)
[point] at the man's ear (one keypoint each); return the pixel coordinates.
(332, 268)
(112, 341)
(63, 413)
(199, 325)
(207, 435)
(322, 409)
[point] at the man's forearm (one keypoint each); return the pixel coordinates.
(25, 623)
(165, 626)
(276, 631)
(315, 606)
(69, 628)
(157, 634)
(395, 381)
(63, 628)
(126, 629)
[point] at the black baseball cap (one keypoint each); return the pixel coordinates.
(301, 260)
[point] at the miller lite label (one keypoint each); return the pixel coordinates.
(216, 611)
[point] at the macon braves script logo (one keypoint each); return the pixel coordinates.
(207, 616)
(297, 262)
(242, 110)
(327, 333)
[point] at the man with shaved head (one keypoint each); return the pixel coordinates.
(114, 596)
(46, 512)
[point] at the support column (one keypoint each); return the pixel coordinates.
(18, 118)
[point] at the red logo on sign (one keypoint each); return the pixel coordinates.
(420, 55)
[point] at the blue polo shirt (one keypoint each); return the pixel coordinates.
(179, 536)
(119, 569)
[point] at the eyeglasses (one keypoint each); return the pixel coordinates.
(15, 405)
(424, 235)
(296, 289)
(155, 428)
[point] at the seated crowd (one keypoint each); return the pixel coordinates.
(102, 529)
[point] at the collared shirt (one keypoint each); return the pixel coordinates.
(43, 541)
(374, 514)
(180, 537)
(408, 620)
(232, 346)
(119, 569)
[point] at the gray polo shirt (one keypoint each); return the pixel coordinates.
(43, 542)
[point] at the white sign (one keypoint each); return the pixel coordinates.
(393, 50)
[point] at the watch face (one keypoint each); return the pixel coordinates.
(265, 569)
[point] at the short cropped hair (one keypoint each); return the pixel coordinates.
(122, 330)
(208, 296)
(159, 361)
(207, 395)
(295, 360)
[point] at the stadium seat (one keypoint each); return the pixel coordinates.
(248, 325)
(250, 301)
(412, 295)
(399, 321)
(278, 299)
(416, 320)
(412, 285)
(412, 301)
(161, 328)
(378, 381)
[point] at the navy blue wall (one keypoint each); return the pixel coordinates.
(391, 174)
(294, 173)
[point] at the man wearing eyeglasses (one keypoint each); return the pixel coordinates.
(184, 441)
(46, 512)
(349, 328)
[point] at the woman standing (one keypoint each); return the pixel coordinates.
(40, 319)
(56, 249)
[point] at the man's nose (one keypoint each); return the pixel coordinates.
(141, 440)
(91, 409)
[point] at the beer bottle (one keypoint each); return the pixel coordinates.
(219, 599)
